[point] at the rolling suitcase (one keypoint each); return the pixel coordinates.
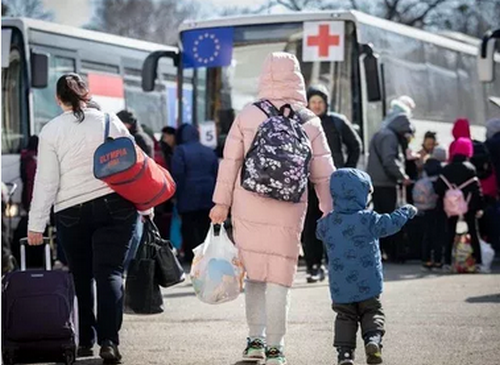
(39, 314)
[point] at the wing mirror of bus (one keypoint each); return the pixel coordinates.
(39, 70)
(372, 74)
(150, 66)
(485, 60)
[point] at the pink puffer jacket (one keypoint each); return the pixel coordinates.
(266, 231)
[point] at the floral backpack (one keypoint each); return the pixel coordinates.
(277, 163)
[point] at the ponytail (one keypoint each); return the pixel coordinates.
(72, 90)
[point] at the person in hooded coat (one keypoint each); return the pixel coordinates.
(194, 168)
(266, 231)
(386, 165)
(458, 172)
(340, 134)
(351, 235)
(493, 145)
(461, 129)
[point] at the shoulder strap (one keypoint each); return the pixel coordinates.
(467, 183)
(450, 186)
(267, 107)
(106, 126)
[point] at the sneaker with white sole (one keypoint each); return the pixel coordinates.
(275, 356)
(345, 356)
(255, 350)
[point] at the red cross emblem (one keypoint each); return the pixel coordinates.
(323, 40)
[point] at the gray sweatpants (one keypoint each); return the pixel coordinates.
(267, 311)
(368, 313)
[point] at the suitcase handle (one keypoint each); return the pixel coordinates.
(46, 241)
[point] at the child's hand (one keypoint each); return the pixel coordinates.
(410, 210)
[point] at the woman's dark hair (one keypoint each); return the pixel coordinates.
(168, 130)
(32, 143)
(431, 135)
(72, 90)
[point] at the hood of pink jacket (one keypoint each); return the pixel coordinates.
(461, 128)
(281, 79)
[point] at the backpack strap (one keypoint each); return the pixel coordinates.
(450, 186)
(267, 108)
(106, 126)
(467, 183)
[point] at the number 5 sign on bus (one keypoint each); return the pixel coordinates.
(208, 134)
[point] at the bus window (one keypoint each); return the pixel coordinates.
(14, 106)
(142, 103)
(45, 106)
(228, 89)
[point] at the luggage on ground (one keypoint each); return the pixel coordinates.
(126, 169)
(463, 261)
(39, 314)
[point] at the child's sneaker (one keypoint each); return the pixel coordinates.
(274, 356)
(346, 356)
(373, 349)
(316, 274)
(255, 350)
(427, 266)
(447, 269)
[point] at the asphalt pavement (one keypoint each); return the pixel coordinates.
(431, 319)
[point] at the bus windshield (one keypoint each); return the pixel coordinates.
(221, 92)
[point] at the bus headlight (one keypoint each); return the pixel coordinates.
(12, 211)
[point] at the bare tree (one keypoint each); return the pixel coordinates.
(26, 8)
(151, 20)
(467, 16)
(245, 10)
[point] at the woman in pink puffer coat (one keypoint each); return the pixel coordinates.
(267, 232)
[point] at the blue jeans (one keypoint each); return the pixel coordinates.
(95, 237)
(134, 242)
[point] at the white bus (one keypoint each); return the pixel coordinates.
(36, 53)
(363, 60)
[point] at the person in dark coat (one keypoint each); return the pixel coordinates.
(341, 136)
(141, 138)
(167, 144)
(386, 163)
(457, 172)
(493, 145)
(194, 168)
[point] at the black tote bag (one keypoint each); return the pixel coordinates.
(142, 293)
(168, 270)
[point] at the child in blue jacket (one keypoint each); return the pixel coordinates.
(351, 234)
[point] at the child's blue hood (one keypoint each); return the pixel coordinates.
(350, 189)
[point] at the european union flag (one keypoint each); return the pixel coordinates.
(211, 47)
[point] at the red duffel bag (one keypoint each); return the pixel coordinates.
(126, 169)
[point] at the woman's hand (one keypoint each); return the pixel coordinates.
(219, 214)
(35, 238)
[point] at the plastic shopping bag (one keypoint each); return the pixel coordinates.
(487, 255)
(217, 272)
(463, 261)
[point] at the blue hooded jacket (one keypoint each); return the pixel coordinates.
(194, 168)
(351, 234)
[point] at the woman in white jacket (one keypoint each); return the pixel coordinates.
(94, 224)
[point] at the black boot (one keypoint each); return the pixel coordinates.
(346, 356)
(373, 348)
(110, 353)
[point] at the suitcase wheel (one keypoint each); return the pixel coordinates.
(69, 357)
